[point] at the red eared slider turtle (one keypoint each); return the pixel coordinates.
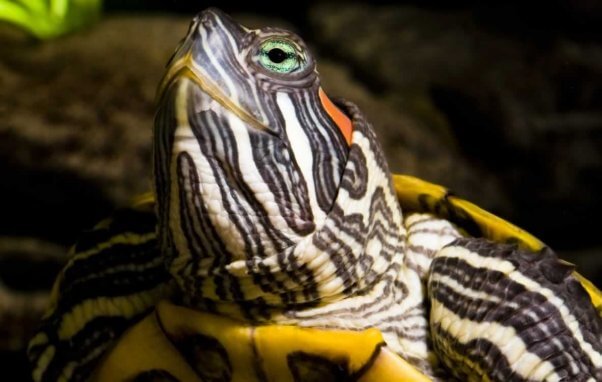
(277, 247)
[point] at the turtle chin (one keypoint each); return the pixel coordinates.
(232, 192)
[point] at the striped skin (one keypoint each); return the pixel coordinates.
(504, 314)
(113, 279)
(229, 190)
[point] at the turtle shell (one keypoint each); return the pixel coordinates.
(418, 195)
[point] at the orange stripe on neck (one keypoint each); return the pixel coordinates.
(340, 119)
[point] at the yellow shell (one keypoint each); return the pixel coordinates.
(418, 195)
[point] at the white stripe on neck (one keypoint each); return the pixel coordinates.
(301, 148)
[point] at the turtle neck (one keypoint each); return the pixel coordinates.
(359, 241)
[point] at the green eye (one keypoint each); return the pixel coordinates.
(279, 56)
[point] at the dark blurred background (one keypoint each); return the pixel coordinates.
(501, 101)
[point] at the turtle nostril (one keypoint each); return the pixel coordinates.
(207, 17)
(213, 17)
(212, 13)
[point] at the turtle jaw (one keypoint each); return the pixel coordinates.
(186, 68)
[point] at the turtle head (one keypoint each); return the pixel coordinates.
(249, 151)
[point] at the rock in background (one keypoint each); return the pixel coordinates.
(505, 113)
(522, 105)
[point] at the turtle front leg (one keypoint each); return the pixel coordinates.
(499, 313)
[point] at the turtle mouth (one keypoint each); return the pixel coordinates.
(186, 67)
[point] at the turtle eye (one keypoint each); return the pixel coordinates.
(281, 56)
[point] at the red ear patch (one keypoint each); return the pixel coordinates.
(339, 118)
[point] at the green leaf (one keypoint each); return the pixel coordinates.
(47, 19)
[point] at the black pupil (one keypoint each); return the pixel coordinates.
(277, 55)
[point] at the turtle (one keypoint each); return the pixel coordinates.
(277, 246)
